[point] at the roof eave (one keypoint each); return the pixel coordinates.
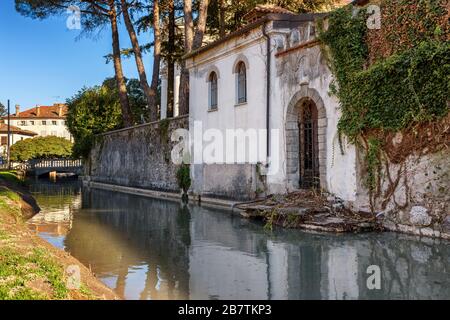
(269, 17)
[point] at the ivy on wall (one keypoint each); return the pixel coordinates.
(396, 79)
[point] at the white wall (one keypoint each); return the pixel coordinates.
(341, 168)
(59, 130)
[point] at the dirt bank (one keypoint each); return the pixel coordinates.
(30, 267)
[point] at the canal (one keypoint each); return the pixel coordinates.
(155, 249)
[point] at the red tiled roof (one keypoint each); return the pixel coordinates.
(44, 112)
(16, 130)
(269, 8)
(263, 9)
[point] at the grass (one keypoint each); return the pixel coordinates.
(18, 271)
(11, 176)
(28, 271)
(4, 235)
(8, 202)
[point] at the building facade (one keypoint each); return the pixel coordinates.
(16, 134)
(43, 120)
(269, 76)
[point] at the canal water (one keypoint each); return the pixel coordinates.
(155, 249)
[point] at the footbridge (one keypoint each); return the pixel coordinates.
(44, 166)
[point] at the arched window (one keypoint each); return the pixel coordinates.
(241, 84)
(213, 91)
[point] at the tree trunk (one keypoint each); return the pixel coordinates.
(188, 26)
(148, 92)
(201, 25)
(183, 97)
(121, 84)
(191, 42)
(222, 18)
(171, 61)
(156, 57)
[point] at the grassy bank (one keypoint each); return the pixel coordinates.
(30, 268)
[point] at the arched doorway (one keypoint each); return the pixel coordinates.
(306, 140)
(309, 175)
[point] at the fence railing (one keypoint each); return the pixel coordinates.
(43, 164)
(55, 163)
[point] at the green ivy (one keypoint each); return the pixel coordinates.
(407, 88)
(184, 177)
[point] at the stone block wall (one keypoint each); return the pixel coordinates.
(420, 203)
(137, 157)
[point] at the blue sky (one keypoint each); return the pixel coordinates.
(42, 61)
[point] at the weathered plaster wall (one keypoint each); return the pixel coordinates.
(137, 157)
(304, 74)
(234, 180)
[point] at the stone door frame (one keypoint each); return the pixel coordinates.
(292, 136)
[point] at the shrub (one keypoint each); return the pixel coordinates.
(184, 177)
(41, 148)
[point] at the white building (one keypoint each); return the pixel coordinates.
(43, 120)
(16, 134)
(270, 75)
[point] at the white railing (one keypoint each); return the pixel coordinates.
(54, 163)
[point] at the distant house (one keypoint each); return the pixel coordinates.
(17, 134)
(44, 120)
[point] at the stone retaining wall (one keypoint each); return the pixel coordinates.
(137, 157)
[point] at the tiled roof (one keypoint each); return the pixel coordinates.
(44, 112)
(263, 9)
(270, 8)
(16, 130)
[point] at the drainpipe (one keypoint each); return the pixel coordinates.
(268, 67)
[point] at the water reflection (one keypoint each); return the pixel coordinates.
(154, 249)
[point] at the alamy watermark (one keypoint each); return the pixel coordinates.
(73, 21)
(228, 146)
(373, 21)
(73, 277)
(373, 281)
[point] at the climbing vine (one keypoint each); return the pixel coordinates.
(391, 81)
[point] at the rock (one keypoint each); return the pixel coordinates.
(339, 200)
(293, 211)
(418, 216)
(446, 224)
(397, 139)
(338, 206)
(428, 232)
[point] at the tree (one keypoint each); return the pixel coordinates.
(92, 111)
(156, 50)
(227, 16)
(149, 92)
(193, 39)
(3, 110)
(94, 14)
(152, 21)
(97, 110)
(41, 148)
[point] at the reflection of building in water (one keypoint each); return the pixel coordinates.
(341, 266)
(154, 249)
(58, 202)
(234, 263)
(234, 259)
(147, 244)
